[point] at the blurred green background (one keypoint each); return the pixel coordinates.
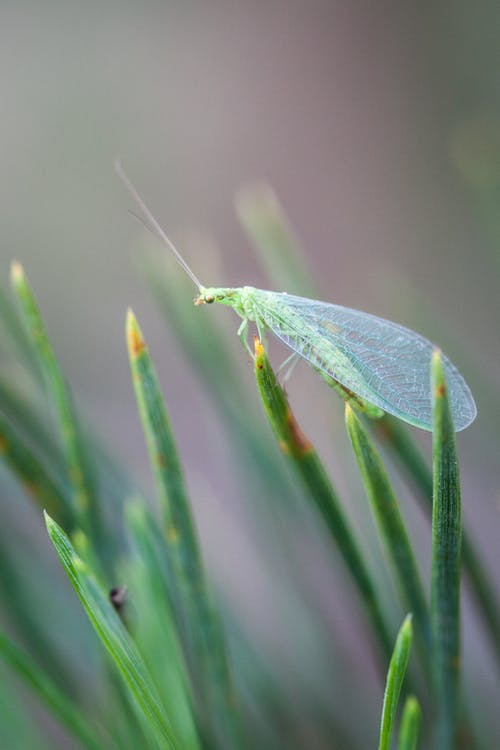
(378, 125)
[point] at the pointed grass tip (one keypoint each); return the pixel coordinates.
(408, 621)
(16, 273)
(258, 347)
(135, 339)
(257, 201)
(49, 521)
(437, 374)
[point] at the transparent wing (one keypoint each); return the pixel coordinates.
(383, 362)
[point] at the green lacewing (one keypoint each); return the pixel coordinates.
(376, 361)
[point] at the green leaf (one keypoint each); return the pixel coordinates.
(153, 625)
(392, 529)
(446, 539)
(32, 474)
(305, 462)
(396, 438)
(114, 637)
(410, 724)
(23, 411)
(394, 682)
(79, 473)
(18, 728)
(51, 696)
(14, 336)
(197, 621)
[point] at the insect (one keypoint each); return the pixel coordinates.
(379, 362)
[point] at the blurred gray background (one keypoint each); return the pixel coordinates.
(378, 125)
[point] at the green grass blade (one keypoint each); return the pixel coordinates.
(153, 627)
(311, 472)
(114, 637)
(27, 622)
(446, 537)
(395, 437)
(270, 232)
(51, 696)
(197, 620)
(392, 529)
(23, 412)
(13, 335)
(18, 728)
(79, 474)
(37, 482)
(410, 724)
(395, 677)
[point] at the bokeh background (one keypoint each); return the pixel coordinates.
(378, 126)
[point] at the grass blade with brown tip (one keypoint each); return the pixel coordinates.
(392, 530)
(312, 474)
(198, 624)
(446, 542)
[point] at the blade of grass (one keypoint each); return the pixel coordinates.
(395, 677)
(51, 696)
(311, 472)
(32, 474)
(154, 625)
(18, 729)
(114, 637)
(410, 724)
(14, 335)
(80, 476)
(445, 586)
(392, 530)
(26, 621)
(23, 413)
(396, 439)
(197, 620)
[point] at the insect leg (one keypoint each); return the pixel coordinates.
(292, 361)
(243, 335)
(260, 329)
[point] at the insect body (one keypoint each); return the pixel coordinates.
(383, 363)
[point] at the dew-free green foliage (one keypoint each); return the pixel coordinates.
(197, 621)
(410, 724)
(394, 682)
(173, 663)
(115, 639)
(50, 695)
(392, 530)
(310, 471)
(79, 472)
(446, 545)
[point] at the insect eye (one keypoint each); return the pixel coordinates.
(209, 299)
(220, 297)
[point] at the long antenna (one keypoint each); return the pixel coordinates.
(154, 223)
